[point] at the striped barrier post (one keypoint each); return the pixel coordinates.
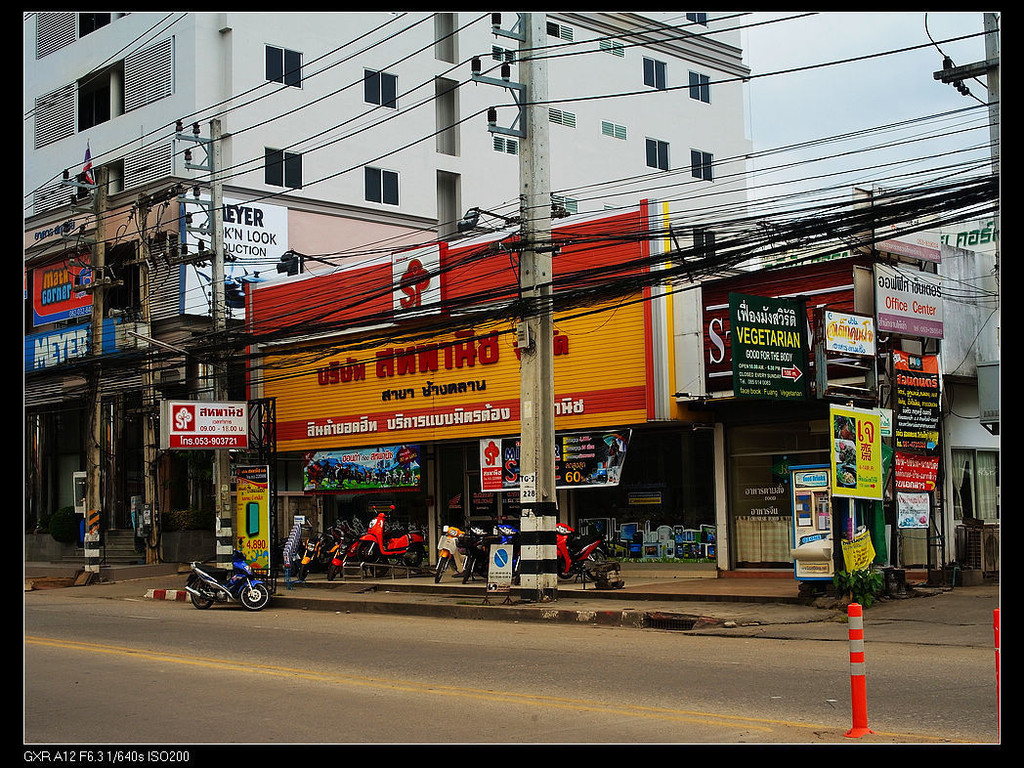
(858, 688)
(92, 542)
(995, 625)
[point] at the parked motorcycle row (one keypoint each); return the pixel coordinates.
(463, 551)
(467, 552)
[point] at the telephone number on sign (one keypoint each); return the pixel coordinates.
(207, 441)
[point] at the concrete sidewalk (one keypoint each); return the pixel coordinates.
(762, 606)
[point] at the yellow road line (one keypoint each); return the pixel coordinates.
(554, 702)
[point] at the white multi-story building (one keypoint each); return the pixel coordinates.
(343, 136)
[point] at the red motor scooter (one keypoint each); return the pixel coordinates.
(378, 545)
(574, 550)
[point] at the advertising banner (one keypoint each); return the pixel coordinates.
(390, 467)
(915, 472)
(849, 334)
(582, 460)
(912, 510)
(199, 425)
(908, 302)
(769, 350)
(859, 553)
(56, 291)
(916, 417)
(856, 453)
(252, 523)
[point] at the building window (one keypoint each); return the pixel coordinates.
(975, 476)
(697, 18)
(560, 31)
(94, 103)
(701, 164)
(614, 47)
(283, 169)
(507, 146)
(503, 54)
(655, 74)
(284, 66)
(700, 87)
(561, 117)
(380, 88)
(704, 242)
(381, 186)
(445, 48)
(90, 22)
(567, 204)
(613, 129)
(657, 154)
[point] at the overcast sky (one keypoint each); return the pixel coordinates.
(833, 100)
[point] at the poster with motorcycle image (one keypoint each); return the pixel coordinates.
(856, 453)
(592, 459)
(389, 467)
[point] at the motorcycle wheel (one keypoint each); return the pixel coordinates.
(564, 572)
(468, 568)
(333, 571)
(255, 598)
(201, 603)
(413, 558)
(442, 566)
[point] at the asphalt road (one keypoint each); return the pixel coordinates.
(131, 671)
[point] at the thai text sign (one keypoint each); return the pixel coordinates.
(769, 354)
(195, 424)
(908, 302)
(859, 553)
(849, 334)
(916, 424)
(856, 453)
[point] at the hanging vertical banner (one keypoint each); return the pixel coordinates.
(856, 453)
(916, 425)
(859, 553)
(769, 349)
(252, 505)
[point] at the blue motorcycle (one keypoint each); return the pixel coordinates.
(206, 586)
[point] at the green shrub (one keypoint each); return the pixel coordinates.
(862, 586)
(187, 520)
(64, 525)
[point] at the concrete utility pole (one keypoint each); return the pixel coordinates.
(537, 398)
(222, 459)
(93, 480)
(149, 402)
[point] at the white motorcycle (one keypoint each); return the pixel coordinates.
(448, 552)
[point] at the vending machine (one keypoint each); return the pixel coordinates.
(812, 523)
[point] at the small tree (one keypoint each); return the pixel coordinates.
(64, 525)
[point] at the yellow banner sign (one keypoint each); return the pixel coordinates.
(856, 453)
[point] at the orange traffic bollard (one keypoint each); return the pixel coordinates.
(858, 688)
(995, 624)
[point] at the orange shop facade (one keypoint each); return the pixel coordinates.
(403, 394)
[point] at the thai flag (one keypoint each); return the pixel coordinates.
(87, 168)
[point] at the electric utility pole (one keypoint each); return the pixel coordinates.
(218, 310)
(537, 389)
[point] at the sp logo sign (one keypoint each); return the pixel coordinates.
(184, 418)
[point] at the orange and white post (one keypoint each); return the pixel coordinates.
(858, 688)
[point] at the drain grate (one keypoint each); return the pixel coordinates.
(669, 621)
